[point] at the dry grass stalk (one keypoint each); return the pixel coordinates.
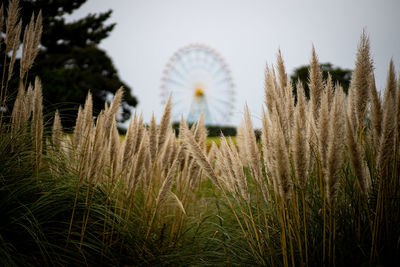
(357, 158)
(240, 141)
(12, 18)
(165, 123)
(200, 133)
(111, 113)
(18, 113)
(281, 71)
(195, 150)
(335, 146)
(78, 130)
(361, 79)
(129, 141)
(28, 102)
(289, 102)
(300, 142)
(225, 163)
(239, 173)
(15, 46)
(31, 41)
(97, 152)
(140, 159)
(267, 148)
(153, 138)
(37, 122)
(115, 145)
(253, 153)
(386, 142)
(57, 133)
(140, 131)
(168, 181)
(376, 113)
(315, 84)
(323, 126)
(269, 89)
(329, 90)
(282, 167)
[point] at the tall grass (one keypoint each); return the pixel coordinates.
(320, 187)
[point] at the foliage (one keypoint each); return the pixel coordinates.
(342, 76)
(70, 62)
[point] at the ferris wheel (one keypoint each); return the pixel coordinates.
(199, 81)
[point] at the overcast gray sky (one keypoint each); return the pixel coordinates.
(247, 33)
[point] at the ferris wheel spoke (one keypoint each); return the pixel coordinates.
(193, 73)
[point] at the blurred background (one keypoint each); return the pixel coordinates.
(140, 37)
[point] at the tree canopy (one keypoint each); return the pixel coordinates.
(70, 63)
(342, 76)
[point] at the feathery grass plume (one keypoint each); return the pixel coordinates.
(129, 141)
(115, 145)
(335, 145)
(15, 46)
(316, 85)
(38, 29)
(196, 151)
(200, 133)
(386, 142)
(87, 122)
(28, 102)
(289, 102)
(84, 153)
(167, 150)
(323, 126)
(57, 132)
(281, 71)
(240, 141)
(329, 90)
(253, 153)
(278, 102)
(282, 167)
(269, 88)
(376, 112)
(238, 172)
(18, 112)
(27, 43)
(267, 148)
(97, 152)
(78, 130)
(165, 123)
(224, 160)
(153, 138)
(12, 18)
(300, 142)
(173, 147)
(357, 158)
(37, 123)
(212, 152)
(139, 133)
(139, 171)
(168, 181)
(31, 41)
(112, 111)
(361, 78)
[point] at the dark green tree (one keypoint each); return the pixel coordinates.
(70, 63)
(342, 76)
